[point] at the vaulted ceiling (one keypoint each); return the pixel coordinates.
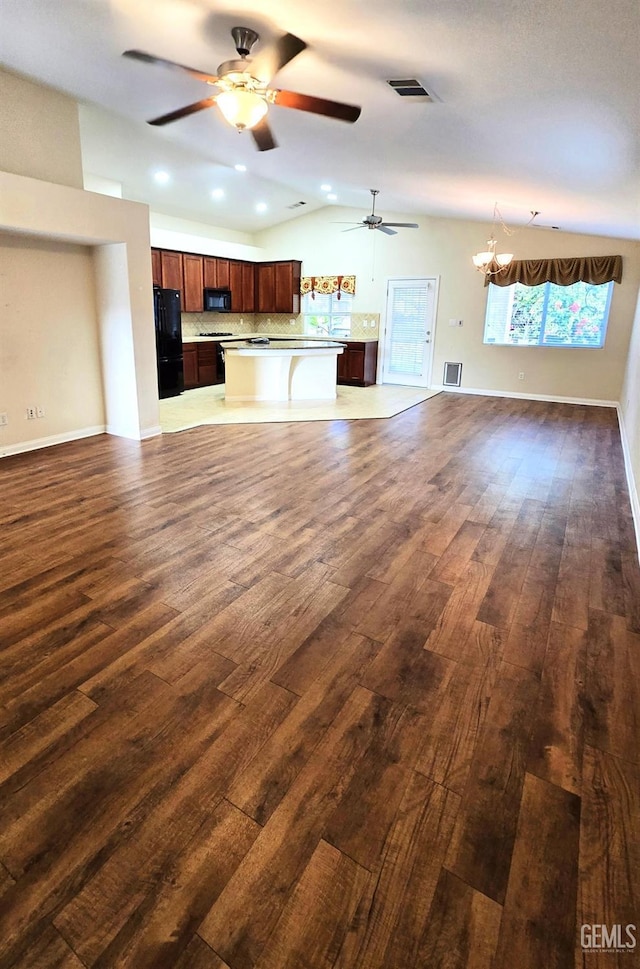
(534, 106)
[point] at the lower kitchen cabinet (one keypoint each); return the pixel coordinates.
(199, 362)
(207, 370)
(190, 365)
(357, 364)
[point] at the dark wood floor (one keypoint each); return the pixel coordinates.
(322, 695)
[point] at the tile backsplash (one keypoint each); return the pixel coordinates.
(193, 324)
(363, 325)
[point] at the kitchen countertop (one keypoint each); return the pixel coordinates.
(278, 336)
(279, 345)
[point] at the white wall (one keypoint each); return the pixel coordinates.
(443, 248)
(184, 235)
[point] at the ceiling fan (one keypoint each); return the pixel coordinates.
(244, 94)
(374, 221)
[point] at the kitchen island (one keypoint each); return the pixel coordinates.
(281, 370)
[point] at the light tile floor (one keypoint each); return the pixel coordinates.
(206, 405)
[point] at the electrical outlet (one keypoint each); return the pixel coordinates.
(292, 322)
(521, 376)
(31, 413)
(39, 411)
(4, 420)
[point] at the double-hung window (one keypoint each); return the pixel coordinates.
(326, 315)
(548, 315)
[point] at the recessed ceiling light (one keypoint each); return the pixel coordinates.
(240, 168)
(261, 207)
(325, 188)
(332, 197)
(217, 193)
(162, 177)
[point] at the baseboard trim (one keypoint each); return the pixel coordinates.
(631, 483)
(23, 446)
(150, 432)
(589, 402)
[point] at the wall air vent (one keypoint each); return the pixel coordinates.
(411, 88)
(296, 205)
(452, 374)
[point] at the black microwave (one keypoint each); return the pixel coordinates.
(217, 300)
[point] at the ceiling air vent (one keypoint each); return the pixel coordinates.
(296, 205)
(410, 88)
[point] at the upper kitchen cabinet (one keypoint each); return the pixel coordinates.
(216, 273)
(156, 267)
(248, 287)
(242, 283)
(278, 286)
(171, 272)
(235, 285)
(193, 276)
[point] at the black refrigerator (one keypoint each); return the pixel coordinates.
(166, 309)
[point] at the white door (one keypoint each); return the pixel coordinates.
(410, 320)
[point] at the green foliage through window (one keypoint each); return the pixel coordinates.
(548, 315)
(326, 315)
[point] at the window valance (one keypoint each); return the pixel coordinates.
(327, 284)
(562, 272)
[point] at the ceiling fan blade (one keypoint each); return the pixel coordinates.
(263, 136)
(386, 230)
(268, 62)
(139, 55)
(183, 112)
(330, 109)
(403, 225)
(363, 225)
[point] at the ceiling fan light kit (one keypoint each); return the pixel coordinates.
(242, 108)
(245, 95)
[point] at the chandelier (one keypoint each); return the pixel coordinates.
(489, 262)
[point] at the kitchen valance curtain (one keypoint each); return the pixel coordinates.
(562, 272)
(327, 285)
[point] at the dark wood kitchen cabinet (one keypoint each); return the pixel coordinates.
(207, 370)
(263, 287)
(199, 363)
(278, 287)
(357, 364)
(266, 287)
(216, 273)
(248, 287)
(171, 272)
(288, 286)
(190, 365)
(156, 267)
(235, 285)
(193, 281)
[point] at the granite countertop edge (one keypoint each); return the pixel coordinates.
(235, 337)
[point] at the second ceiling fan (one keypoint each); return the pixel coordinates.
(244, 94)
(374, 221)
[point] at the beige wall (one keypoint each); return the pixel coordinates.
(39, 132)
(443, 248)
(41, 197)
(49, 342)
(630, 418)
